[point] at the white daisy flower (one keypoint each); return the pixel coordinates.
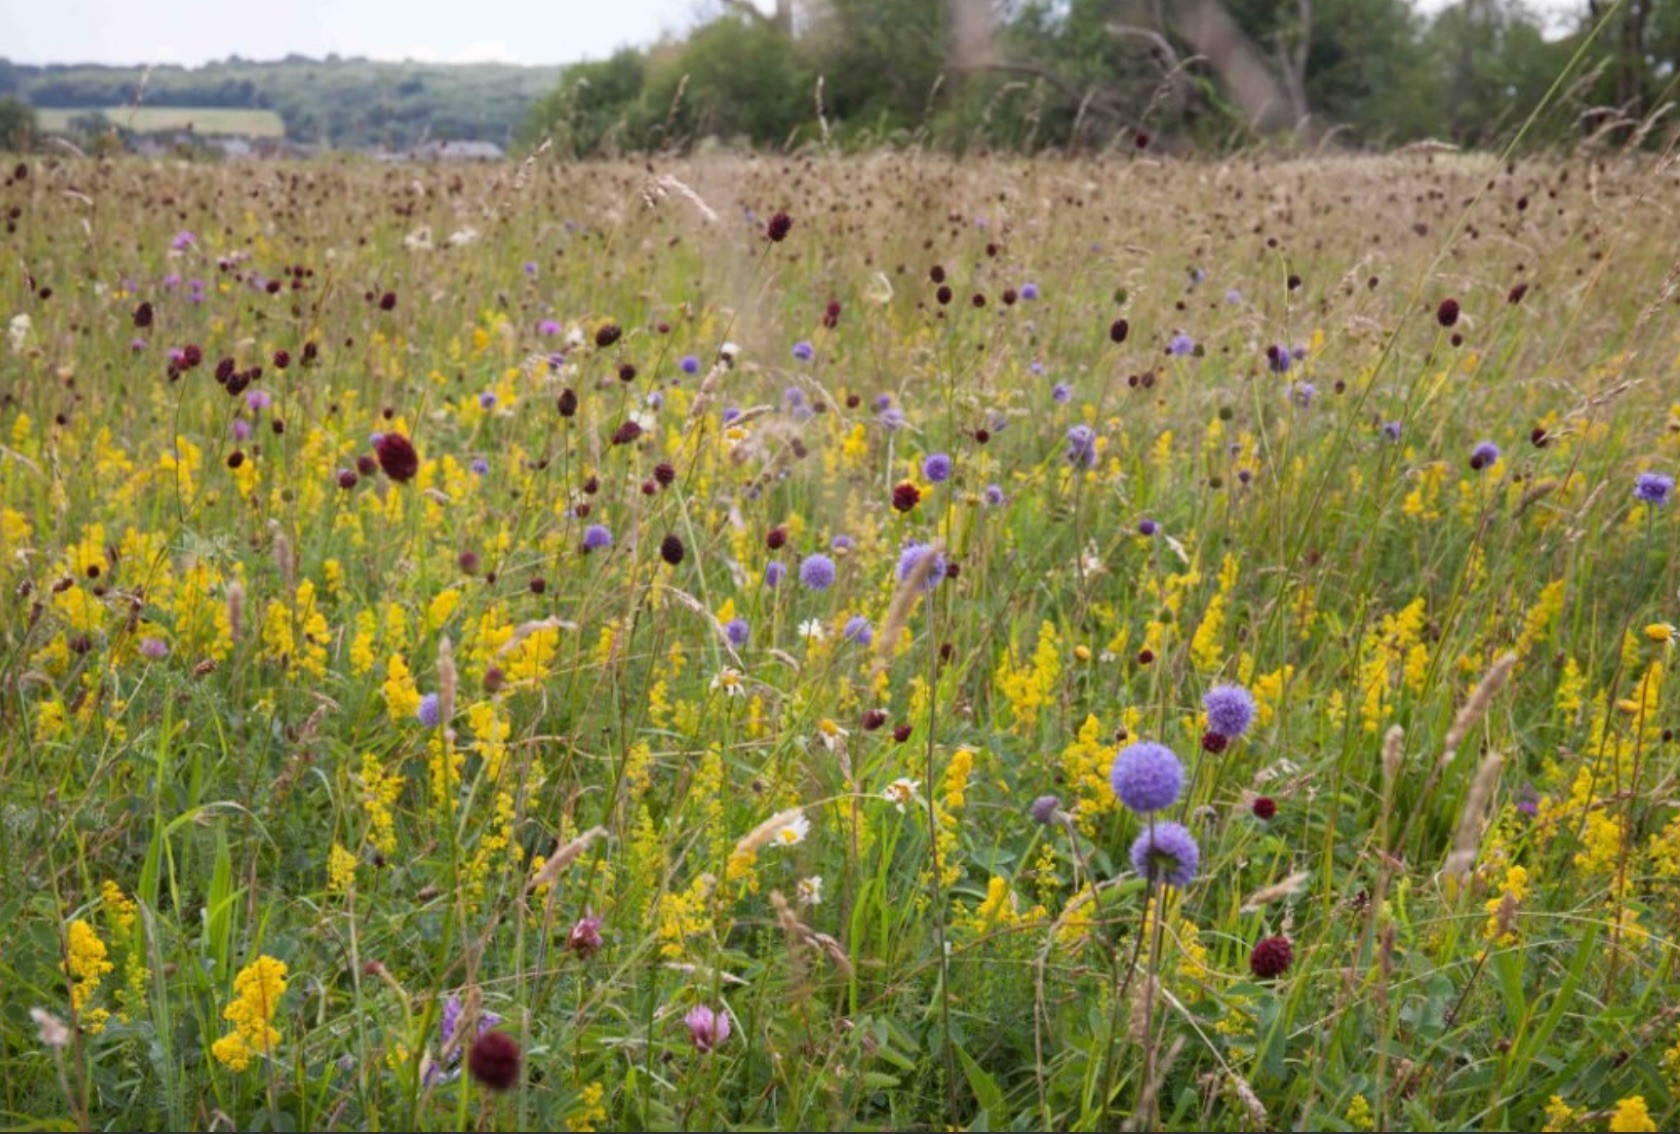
(809, 890)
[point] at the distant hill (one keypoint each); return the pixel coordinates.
(336, 101)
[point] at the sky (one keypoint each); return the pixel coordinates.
(192, 32)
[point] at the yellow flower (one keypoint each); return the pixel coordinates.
(1359, 1116)
(86, 965)
(588, 1112)
(256, 996)
(1630, 1114)
(1661, 632)
(341, 870)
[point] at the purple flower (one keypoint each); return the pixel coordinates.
(183, 241)
(1230, 710)
(1301, 393)
(172, 281)
(137, 344)
(1197, 275)
(1147, 777)
(1061, 393)
(1167, 853)
(1044, 808)
(530, 267)
(842, 543)
(429, 712)
(597, 537)
(937, 468)
(1036, 369)
(585, 936)
(1233, 296)
(1484, 455)
(487, 399)
(736, 630)
(881, 403)
(1278, 359)
(892, 417)
(1653, 488)
(1181, 344)
(773, 573)
(689, 364)
(548, 327)
(1391, 430)
(155, 649)
(993, 495)
(911, 556)
(240, 428)
(817, 572)
(1082, 446)
(804, 351)
(258, 400)
(1029, 291)
(706, 1028)
(1147, 527)
(857, 629)
(451, 1020)
(479, 465)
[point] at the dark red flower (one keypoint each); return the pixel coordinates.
(1214, 742)
(776, 538)
(905, 496)
(1118, 330)
(397, 456)
(1515, 295)
(1264, 807)
(1447, 313)
(607, 334)
(568, 402)
(143, 315)
(778, 227)
(874, 719)
(282, 360)
(665, 472)
(494, 1059)
(388, 301)
(1271, 957)
(626, 433)
(901, 733)
(671, 550)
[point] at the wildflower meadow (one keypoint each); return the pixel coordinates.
(803, 642)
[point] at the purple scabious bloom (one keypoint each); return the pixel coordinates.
(1197, 275)
(911, 556)
(137, 344)
(258, 400)
(597, 537)
(857, 629)
(1029, 290)
(1044, 808)
(1035, 368)
(1278, 359)
(804, 351)
(450, 1020)
(773, 573)
(487, 399)
(548, 327)
(1147, 527)
(937, 468)
(530, 267)
(1147, 777)
(1181, 344)
(155, 649)
(1233, 296)
(689, 364)
(1230, 710)
(1653, 488)
(1167, 853)
(240, 428)
(183, 241)
(1061, 393)
(1301, 393)
(479, 465)
(736, 630)
(1391, 430)
(993, 495)
(428, 713)
(172, 281)
(1082, 446)
(817, 571)
(892, 417)
(842, 543)
(730, 413)
(1484, 455)
(881, 402)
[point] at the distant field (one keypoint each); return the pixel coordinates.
(157, 119)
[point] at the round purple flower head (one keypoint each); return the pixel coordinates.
(817, 572)
(707, 1028)
(1302, 393)
(1044, 808)
(937, 468)
(1278, 359)
(480, 466)
(842, 543)
(911, 556)
(1181, 344)
(804, 351)
(1147, 527)
(428, 714)
(993, 495)
(1147, 777)
(689, 364)
(858, 630)
(548, 327)
(597, 537)
(155, 649)
(1653, 488)
(1391, 430)
(1167, 853)
(1061, 393)
(773, 573)
(1230, 710)
(1484, 455)
(1029, 291)
(892, 417)
(1082, 446)
(736, 630)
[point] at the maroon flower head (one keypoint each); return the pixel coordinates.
(397, 457)
(585, 937)
(905, 496)
(388, 301)
(494, 1059)
(1271, 957)
(143, 315)
(1118, 330)
(1264, 807)
(1447, 313)
(778, 227)
(1214, 742)
(626, 433)
(671, 549)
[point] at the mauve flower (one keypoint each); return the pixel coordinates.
(1166, 852)
(241, 429)
(183, 240)
(1147, 527)
(773, 573)
(548, 327)
(1061, 393)
(1181, 344)
(429, 713)
(1082, 446)
(892, 417)
(1044, 808)
(689, 364)
(804, 351)
(993, 495)
(1391, 430)
(1653, 488)
(737, 630)
(911, 557)
(585, 937)
(596, 537)
(1484, 455)
(857, 629)
(817, 572)
(1147, 777)
(479, 465)
(1230, 710)
(937, 468)
(707, 1029)
(155, 649)
(1029, 291)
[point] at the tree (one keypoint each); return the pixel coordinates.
(18, 124)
